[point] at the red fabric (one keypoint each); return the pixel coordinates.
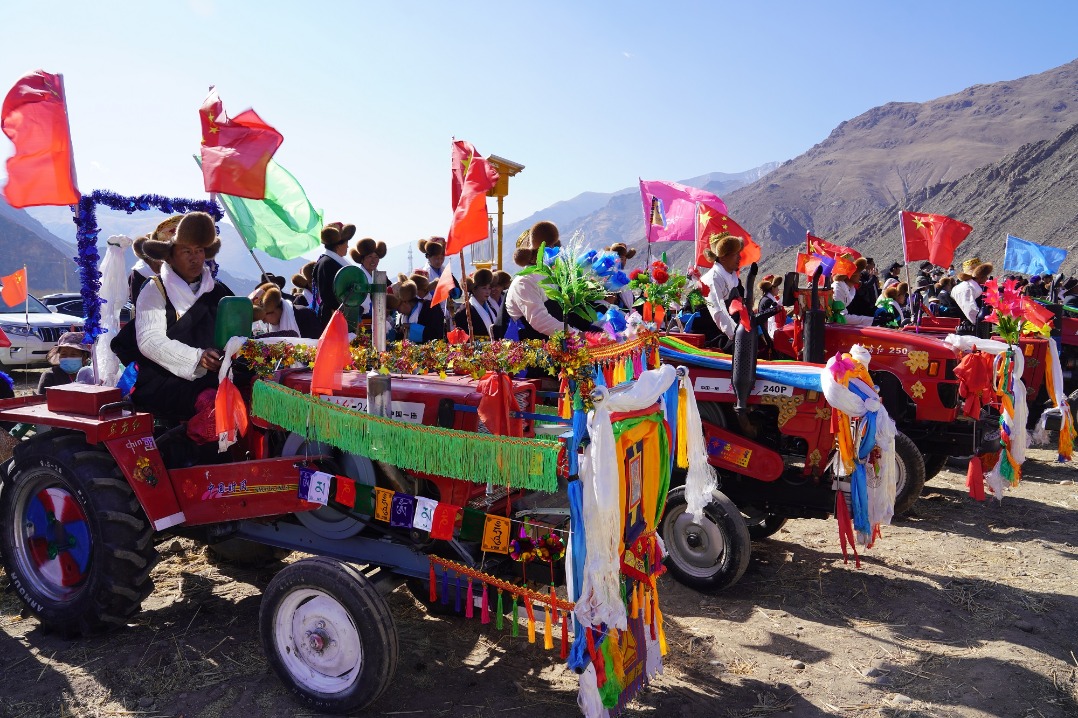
(975, 377)
(230, 413)
(445, 520)
(235, 151)
(738, 307)
(331, 357)
(346, 491)
(34, 117)
(1035, 312)
(712, 221)
(975, 478)
(497, 403)
(822, 246)
(845, 528)
(14, 291)
(473, 176)
(932, 236)
(799, 335)
(202, 427)
(806, 264)
(457, 336)
(443, 287)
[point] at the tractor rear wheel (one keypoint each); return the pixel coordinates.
(76, 545)
(329, 635)
(710, 555)
(911, 474)
(934, 464)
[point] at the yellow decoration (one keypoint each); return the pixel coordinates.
(823, 413)
(917, 361)
(496, 535)
(918, 390)
(815, 457)
(383, 500)
(787, 406)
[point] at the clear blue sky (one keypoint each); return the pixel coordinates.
(586, 95)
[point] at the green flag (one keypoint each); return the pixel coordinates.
(283, 225)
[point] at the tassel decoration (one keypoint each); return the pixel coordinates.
(564, 635)
(433, 585)
(484, 611)
(548, 625)
(456, 600)
(445, 587)
(634, 604)
(500, 613)
(469, 606)
(515, 628)
(682, 427)
(530, 612)
(616, 655)
(645, 599)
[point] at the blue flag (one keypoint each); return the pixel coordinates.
(1029, 258)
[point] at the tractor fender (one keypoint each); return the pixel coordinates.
(141, 464)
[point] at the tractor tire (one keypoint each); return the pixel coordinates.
(707, 557)
(76, 545)
(245, 554)
(911, 474)
(765, 527)
(934, 464)
(329, 635)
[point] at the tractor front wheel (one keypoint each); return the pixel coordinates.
(76, 545)
(712, 554)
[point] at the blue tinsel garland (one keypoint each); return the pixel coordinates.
(88, 231)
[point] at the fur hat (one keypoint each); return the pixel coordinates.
(723, 245)
(903, 288)
(432, 247)
(392, 302)
(303, 279)
(405, 289)
(622, 250)
(528, 243)
(891, 292)
(502, 279)
(768, 283)
(140, 250)
(841, 278)
(974, 268)
(195, 229)
(419, 281)
(480, 278)
(268, 300)
(334, 233)
(167, 229)
(367, 246)
(861, 264)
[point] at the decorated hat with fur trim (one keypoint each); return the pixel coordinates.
(974, 268)
(406, 289)
(622, 250)
(167, 229)
(528, 243)
(139, 250)
(302, 280)
(769, 282)
(367, 246)
(480, 278)
(195, 229)
(335, 233)
(433, 247)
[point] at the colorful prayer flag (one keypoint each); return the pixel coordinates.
(496, 534)
(679, 202)
(346, 491)
(34, 117)
(402, 510)
(713, 222)
(318, 490)
(931, 236)
(364, 499)
(283, 225)
(473, 177)
(471, 525)
(14, 291)
(1031, 258)
(305, 483)
(445, 521)
(383, 504)
(424, 513)
(235, 151)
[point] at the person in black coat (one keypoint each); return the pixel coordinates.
(335, 238)
(416, 322)
(302, 296)
(274, 314)
(147, 267)
(483, 320)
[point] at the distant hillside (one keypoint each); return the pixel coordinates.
(25, 242)
(1032, 194)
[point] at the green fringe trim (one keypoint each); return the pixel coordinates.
(465, 455)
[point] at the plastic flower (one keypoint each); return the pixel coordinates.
(660, 276)
(705, 290)
(658, 264)
(606, 264)
(635, 273)
(550, 255)
(617, 281)
(587, 259)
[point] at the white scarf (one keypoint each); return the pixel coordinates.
(180, 293)
(484, 314)
(309, 296)
(343, 261)
(965, 296)
(413, 316)
(142, 268)
(287, 323)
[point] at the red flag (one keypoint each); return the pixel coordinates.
(825, 248)
(473, 176)
(346, 491)
(14, 291)
(932, 237)
(331, 356)
(806, 263)
(443, 287)
(235, 151)
(711, 221)
(34, 117)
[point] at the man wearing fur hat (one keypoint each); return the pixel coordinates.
(416, 321)
(526, 302)
(769, 298)
(967, 295)
(275, 314)
(174, 322)
(478, 294)
(302, 296)
(146, 267)
(366, 255)
(724, 284)
(434, 250)
(335, 237)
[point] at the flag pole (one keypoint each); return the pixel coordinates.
(232, 219)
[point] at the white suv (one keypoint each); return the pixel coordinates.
(30, 342)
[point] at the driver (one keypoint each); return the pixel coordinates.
(723, 281)
(175, 318)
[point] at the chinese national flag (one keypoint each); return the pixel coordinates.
(235, 151)
(932, 237)
(14, 291)
(473, 177)
(34, 117)
(711, 221)
(827, 249)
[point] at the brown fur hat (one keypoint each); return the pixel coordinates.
(769, 282)
(432, 247)
(392, 302)
(974, 268)
(367, 246)
(903, 288)
(303, 279)
(622, 250)
(195, 229)
(528, 243)
(861, 263)
(891, 292)
(405, 289)
(270, 300)
(139, 250)
(723, 245)
(983, 272)
(480, 278)
(502, 279)
(334, 233)
(419, 281)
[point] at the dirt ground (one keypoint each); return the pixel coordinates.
(964, 610)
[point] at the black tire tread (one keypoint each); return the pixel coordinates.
(724, 513)
(910, 455)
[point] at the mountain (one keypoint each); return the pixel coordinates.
(879, 157)
(608, 217)
(1032, 194)
(25, 242)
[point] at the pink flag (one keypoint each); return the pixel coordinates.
(674, 219)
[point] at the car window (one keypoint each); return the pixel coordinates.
(36, 307)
